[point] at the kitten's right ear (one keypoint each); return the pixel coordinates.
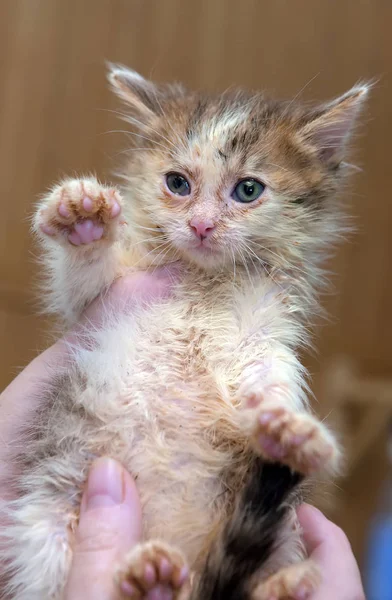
(139, 93)
(329, 128)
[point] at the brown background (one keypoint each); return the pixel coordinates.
(52, 122)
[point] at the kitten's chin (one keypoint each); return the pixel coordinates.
(204, 257)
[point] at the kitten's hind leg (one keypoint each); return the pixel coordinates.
(154, 571)
(36, 547)
(297, 582)
(79, 225)
(296, 439)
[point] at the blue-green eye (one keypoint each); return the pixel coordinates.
(248, 190)
(177, 184)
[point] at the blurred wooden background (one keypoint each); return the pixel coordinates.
(53, 121)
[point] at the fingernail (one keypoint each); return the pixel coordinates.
(105, 484)
(314, 510)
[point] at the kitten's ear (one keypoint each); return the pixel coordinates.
(329, 128)
(139, 93)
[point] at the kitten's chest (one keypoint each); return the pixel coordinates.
(191, 332)
(195, 342)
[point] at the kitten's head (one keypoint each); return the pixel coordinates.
(234, 178)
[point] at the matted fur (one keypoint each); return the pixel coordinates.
(165, 389)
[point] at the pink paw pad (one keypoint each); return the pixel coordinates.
(63, 211)
(160, 593)
(85, 232)
(183, 576)
(88, 204)
(116, 209)
(274, 449)
(149, 575)
(47, 229)
(128, 589)
(165, 570)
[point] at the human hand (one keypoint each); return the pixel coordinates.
(109, 526)
(329, 548)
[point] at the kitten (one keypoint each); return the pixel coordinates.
(201, 396)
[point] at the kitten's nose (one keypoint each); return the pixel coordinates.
(202, 228)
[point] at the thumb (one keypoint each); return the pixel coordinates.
(109, 525)
(330, 549)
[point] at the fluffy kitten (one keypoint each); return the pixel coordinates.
(201, 396)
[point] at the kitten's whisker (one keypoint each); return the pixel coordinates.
(144, 137)
(157, 229)
(147, 240)
(263, 264)
(233, 257)
(277, 166)
(177, 136)
(162, 254)
(130, 150)
(282, 259)
(302, 90)
(243, 258)
(114, 112)
(133, 120)
(150, 252)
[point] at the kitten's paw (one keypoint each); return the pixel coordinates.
(80, 212)
(295, 439)
(297, 582)
(154, 571)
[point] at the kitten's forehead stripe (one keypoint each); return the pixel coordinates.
(222, 154)
(196, 116)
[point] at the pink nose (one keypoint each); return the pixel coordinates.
(202, 228)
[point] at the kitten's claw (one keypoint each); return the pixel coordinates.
(80, 212)
(298, 440)
(297, 582)
(154, 571)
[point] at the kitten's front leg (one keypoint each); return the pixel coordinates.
(274, 415)
(78, 224)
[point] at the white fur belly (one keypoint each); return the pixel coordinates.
(159, 409)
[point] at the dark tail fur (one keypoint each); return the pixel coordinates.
(248, 538)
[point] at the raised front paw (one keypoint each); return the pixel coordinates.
(80, 212)
(296, 439)
(154, 571)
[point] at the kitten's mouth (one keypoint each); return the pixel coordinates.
(204, 253)
(204, 247)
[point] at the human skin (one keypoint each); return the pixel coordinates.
(329, 547)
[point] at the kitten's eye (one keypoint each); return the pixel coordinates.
(248, 190)
(178, 184)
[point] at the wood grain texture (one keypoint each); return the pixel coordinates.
(54, 120)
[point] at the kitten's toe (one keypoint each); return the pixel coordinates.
(154, 571)
(297, 582)
(298, 440)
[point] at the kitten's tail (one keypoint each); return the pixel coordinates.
(249, 538)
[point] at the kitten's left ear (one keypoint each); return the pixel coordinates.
(140, 94)
(329, 128)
